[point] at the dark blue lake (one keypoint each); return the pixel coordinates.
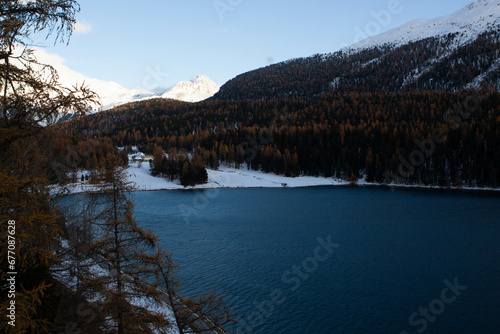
(337, 259)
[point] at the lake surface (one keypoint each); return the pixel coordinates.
(337, 259)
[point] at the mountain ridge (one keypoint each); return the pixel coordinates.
(468, 21)
(442, 53)
(113, 94)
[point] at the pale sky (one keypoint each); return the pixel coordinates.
(157, 43)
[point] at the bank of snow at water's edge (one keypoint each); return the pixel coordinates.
(226, 177)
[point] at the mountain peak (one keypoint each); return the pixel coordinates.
(112, 94)
(199, 89)
(201, 78)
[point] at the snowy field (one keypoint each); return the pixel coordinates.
(226, 177)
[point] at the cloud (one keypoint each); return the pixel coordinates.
(83, 28)
(67, 77)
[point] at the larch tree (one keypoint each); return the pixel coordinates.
(207, 313)
(122, 250)
(135, 279)
(31, 99)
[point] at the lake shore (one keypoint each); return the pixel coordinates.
(232, 178)
(227, 177)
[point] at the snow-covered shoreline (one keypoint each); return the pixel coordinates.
(226, 177)
(231, 178)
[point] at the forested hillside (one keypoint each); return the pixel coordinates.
(435, 138)
(436, 63)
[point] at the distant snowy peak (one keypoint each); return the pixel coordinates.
(196, 90)
(111, 94)
(467, 22)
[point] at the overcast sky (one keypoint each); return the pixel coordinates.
(156, 43)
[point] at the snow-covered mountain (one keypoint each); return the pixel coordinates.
(468, 22)
(195, 90)
(112, 94)
(454, 52)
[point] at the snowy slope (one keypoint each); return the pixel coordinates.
(196, 90)
(468, 22)
(112, 94)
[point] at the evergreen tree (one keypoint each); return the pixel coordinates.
(123, 248)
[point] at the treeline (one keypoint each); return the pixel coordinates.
(430, 64)
(380, 136)
(57, 157)
(175, 165)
